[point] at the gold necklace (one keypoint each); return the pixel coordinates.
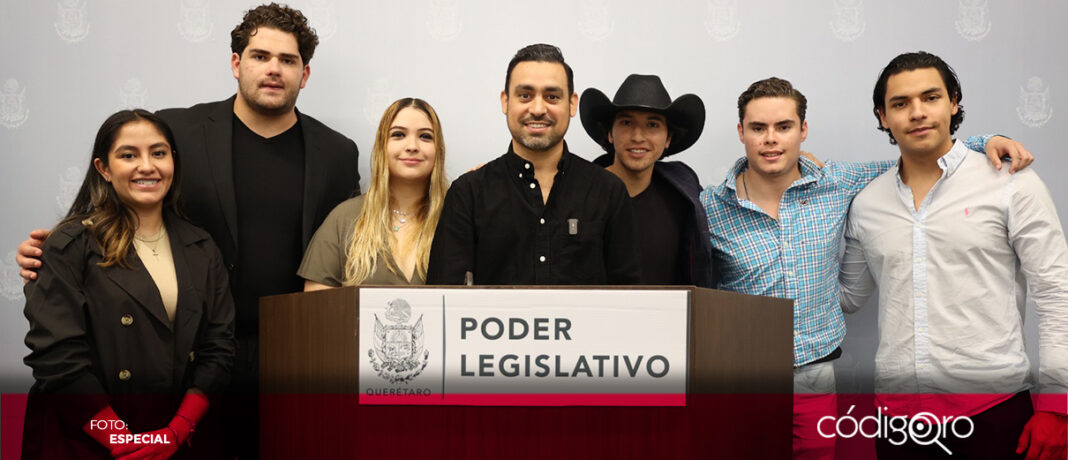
(153, 244)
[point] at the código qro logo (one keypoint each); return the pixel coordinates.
(923, 428)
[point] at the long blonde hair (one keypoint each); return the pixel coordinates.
(371, 236)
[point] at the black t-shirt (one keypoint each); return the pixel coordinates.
(659, 213)
(269, 188)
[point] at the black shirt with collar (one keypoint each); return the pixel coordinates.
(495, 225)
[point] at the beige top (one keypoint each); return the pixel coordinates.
(324, 260)
(155, 253)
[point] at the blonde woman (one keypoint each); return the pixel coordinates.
(384, 236)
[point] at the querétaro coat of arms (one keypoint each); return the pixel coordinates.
(973, 19)
(722, 19)
(1034, 109)
(398, 355)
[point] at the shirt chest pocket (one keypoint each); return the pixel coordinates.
(579, 248)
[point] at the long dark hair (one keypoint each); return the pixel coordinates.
(110, 221)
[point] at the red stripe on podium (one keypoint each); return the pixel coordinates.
(542, 399)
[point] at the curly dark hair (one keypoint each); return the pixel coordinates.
(280, 17)
(915, 61)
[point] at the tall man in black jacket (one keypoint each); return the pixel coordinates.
(259, 176)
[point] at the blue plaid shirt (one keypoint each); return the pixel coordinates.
(797, 256)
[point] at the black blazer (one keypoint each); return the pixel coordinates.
(101, 336)
(204, 135)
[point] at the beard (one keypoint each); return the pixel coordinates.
(538, 143)
(264, 105)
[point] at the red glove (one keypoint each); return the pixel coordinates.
(1046, 434)
(164, 442)
(104, 427)
(194, 406)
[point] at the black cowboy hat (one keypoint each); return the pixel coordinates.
(685, 115)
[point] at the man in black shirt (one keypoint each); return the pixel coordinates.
(638, 128)
(538, 214)
(259, 176)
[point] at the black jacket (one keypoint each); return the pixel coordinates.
(101, 336)
(698, 240)
(204, 134)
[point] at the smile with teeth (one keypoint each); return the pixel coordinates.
(771, 155)
(146, 181)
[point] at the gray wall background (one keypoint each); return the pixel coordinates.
(65, 65)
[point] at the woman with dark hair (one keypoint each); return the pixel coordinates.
(131, 320)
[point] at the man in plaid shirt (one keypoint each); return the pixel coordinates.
(776, 225)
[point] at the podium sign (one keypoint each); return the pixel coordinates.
(738, 374)
(540, 347)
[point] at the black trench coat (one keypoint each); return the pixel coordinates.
(101, 336)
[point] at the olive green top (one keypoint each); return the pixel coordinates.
(324, 260)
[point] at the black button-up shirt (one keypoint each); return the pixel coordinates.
(495, 225)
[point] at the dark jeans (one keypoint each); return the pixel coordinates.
(997, 431)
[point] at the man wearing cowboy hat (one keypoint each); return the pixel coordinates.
(639, 128)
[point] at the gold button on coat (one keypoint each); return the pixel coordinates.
(124, 375)
(126, 320)
(192, 356)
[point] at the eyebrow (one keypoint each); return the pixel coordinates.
(547, 89)
(153, 146)
(931, 90)
(262, 51)
(777, 123)
(405, 128)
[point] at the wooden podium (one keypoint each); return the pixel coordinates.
(739, 402)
